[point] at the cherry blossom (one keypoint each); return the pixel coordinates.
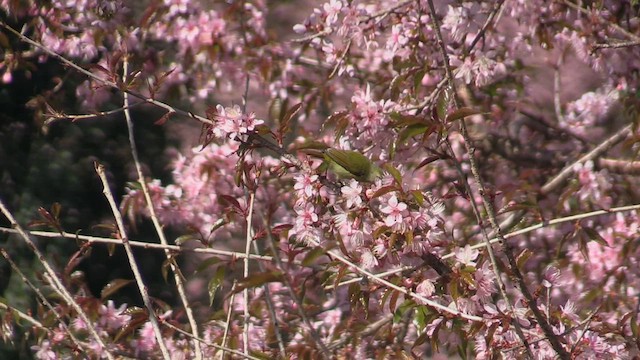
(394, 210)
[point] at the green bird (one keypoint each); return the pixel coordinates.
(349, 164)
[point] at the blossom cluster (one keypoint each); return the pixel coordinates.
(398, 264)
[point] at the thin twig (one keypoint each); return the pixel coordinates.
(62, 116)
(371, 328)
(175, 269)
(271, 308)
(568, 171)
(616, 45)
(557, 90)
(614, 139)
(496, 8)
(43, 299)
(25, 317)
(153, 318)
(488, 206)
(101, 80)
(496, 240)
(378, 279)
(55, 280)
(225, 334)
(141, 244)
(290, 158)
(623, 166)
(205, 342)
(299, 305)
(245, 292)
(622, 30)
(381, 13)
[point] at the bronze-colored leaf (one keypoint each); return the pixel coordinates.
(113, 286)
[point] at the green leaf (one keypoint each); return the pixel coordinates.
(312, 256)
(404, 120)
(394, 172)
(402, 309)
(522, 258)
(207, 264)
(418, 196)
(411, 131)
(184, 238)
(215, 283)
(258, 279)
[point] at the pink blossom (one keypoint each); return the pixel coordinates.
(146, 338)
(464, 70)
(425, 288)
(306, 215)
(394, 211)
(111, 317)
(467, 255)
(305, 183)
(458, 21)
(7, 77)
(351, 193)
(484, 282)
(551, 275)
(367, 259)
(44, 351)
(332, 9)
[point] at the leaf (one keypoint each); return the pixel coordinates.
(282, 228)
(164, 269)
(454, 290)
(291, 112)
(427, 161)
(394, 172)
(461, 113)
(393, 302)
(522, 258)
(420, 318)
(342, 271)
(233, 202)
(595, 236)
(402, 309)
(184, 238)
(164, 118)
(204, 265)
(418, 196)
(113, 286)
(4, 41)
(441, 105)
(406, 120)
(312, 256)
(215, 283)
(138, 318)
(384, 190)
(258, 279)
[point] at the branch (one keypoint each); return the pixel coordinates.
(245, 292)
(177, 274)
(55, 280)
(44, 300)
(153, 318)
(488, 206)
(142, 244)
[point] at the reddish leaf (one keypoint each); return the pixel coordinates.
(164, 118)
(461, 113)
(113, 286)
